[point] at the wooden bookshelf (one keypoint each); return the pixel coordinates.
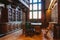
(11, 16)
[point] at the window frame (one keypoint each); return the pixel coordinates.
(37, 9)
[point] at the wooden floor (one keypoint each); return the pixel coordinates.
(23, 37)
(17, 36)
(35, 37)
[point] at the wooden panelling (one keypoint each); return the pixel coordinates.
(59, 11)
(57, 31)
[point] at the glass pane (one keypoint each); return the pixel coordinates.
(30, 15)
(39, 6)
(34, 1)
(30, 1)
(30, 6)
(39, 14)
(34, 6)
(39, 0)
(35, 15)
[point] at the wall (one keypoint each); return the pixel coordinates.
(59, 11)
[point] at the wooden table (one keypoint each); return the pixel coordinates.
(37, 27)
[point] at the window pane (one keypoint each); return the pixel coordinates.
(34, 1)
(30, 1)
(30, 15)
(39, 6)
(39, 14)
(39, 0)
(34, 6)
(30, 6)
(35, 15)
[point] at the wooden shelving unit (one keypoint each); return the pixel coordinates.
(12, 13)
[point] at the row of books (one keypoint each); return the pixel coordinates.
(10, 19)
(14, 14)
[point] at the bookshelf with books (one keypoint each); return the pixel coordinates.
(11, 16)
(9, 20)
(14, 14)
